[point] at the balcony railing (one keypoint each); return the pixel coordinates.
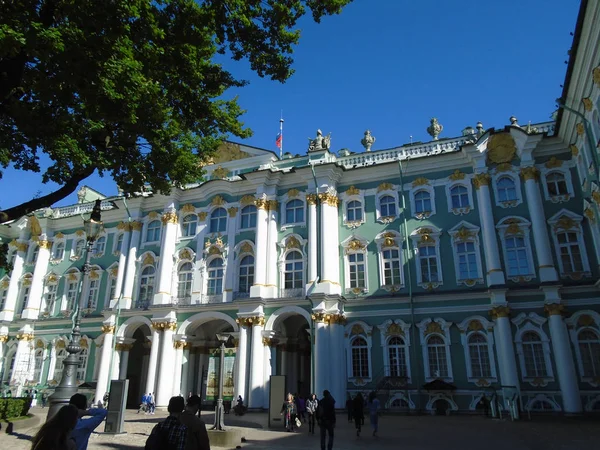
(241, 295)
(292, 293)
(81, 208)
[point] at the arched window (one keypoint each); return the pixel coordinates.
(82, 367)
(533, 356)
(391, 267)
(246, 274)
(59, 251)
(557, 185)
(387, 206)
(146, 287)
(294, 270)
(460, 196)
(397, 357)
(93, 291)
(589, 348)
(507, 191)
(436, 355)
(78, 248)
(61, 354)
(479, 356)
(189, 225)
(100, 246)
(294, 211)
(516, 256)
(428, 263)
(422, 202)
(248, 217)
(71, 293)
(570, 252)
(354, 211)
(38, 365)
(184, 281)
(215, 277)
(153, 231)
(467, 261)
(360, 358)
(218, 220)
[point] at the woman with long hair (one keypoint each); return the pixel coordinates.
(311, 407)
(289, 411)
(55, 434)
(374, 412)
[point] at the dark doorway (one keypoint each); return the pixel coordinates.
(135, 368)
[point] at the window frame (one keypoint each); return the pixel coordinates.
(440, 328)
(513, 226)
(478, 325)
(301, 207)
(249, 277)
(189, 280)
(75, 256)
(58, 244)
(150, 225)
(465, 232)
(384, 190)
(251, 214)
(518, 193)
(138, 301)
(414, 191)
(218, 220)
(99, 253)
(583, 320)
(186, 225)
(466, 183)
(392, 329)
(208, 269)
(118, 240)
(564, 170)
(567, 221)
(354, 330)
(389, 241)
(354, 245)
(427, 236)
(527, 323)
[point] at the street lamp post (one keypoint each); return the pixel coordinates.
(219, 425)
(68, 383)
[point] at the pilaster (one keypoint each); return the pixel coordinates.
(230, 264)
(164, 384)
(131, 265)
(503, 337)
(311, 200)
(255, 387)
(261, 266)
(108, 331)
(153, 361)
(329, 284)
(241, 363)
(12, 295)
(32, 309)
(167, 252)
(127, 228)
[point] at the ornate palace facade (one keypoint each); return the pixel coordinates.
(434, 273)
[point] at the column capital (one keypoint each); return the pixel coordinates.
(499, 312)
(3, 338)
(136, 225)
(45, 244)
(530, 173)
(555, 309)
(164, 325)
(251, 321)
(108, 329)
(330, 199)
(122, 347)
(311, 199)
(25, 337)
(170, 217)
(179, 345)
(270, 342)
(481, 179)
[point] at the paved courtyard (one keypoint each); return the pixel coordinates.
(396, 432)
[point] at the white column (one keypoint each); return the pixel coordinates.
(538, 225)
(563, 356)
(338, 369)
(164, 384)
(198, 266)
(123, 252)
(116, 364)
(495, 275)
(167, 251)
(503, 338)
(52, 365)
(312, 238)
(260, 265)
(272, 266)
(104, 369)
(178, 347)
(124, 361)
(191, 377)
(185, 369)
(13, 288)
(201, 358)
(322, 363)
(255, 391)
(22, 357)
(241, 362)
(230, 268)
(3, 341)
(266, 374)
(32, 309)
(330, 258)
(131, 265)
(152, 363)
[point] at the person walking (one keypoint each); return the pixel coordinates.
(301, 403)
(349, 408)
(357, 411)
(84, 427)
(197, 436)
(288, 410)
(170, 433)
(55, 433)
(151, 404)
(374, 412)
(144, 404)
(311, 408)
(326, 418)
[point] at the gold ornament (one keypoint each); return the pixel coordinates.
(25, 337)
(246, 247)
(148, 260)
(554, 309)
(504, 167)
(565, 223)
(596, 75)
(59, 235)
(262, 203)
(153, 215)
(352, 190)
(108, 329)
(232, 211)
(293, 193)
(185, 254)
(481, 179)
(580, 129)
(499, 312)
(292, 242)
(501, 148)
(46, 245)
(574, 150)
(553, 163)
(394, 330)
(421, 181)
(530, 173)
(124, 226)
(220, 172)
(136, 225)
(596, 197)
(3, 338)
(170, 217)
(385, 187)
(355, 245)
(456, 176)
(587, 103)
(80, 233)
(329, 199)
(433, 327)
(311, 199)
(464, 234)
(589, 213)
(202, 216)
(475, 325)
(34, 226)
(247, 200)
(585, 320)
(217, 201)
(272, 205)
(188, 208)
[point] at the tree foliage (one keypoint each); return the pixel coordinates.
(130, 88)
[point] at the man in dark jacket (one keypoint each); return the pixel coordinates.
(326, 418)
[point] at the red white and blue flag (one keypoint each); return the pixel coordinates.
(279, 139)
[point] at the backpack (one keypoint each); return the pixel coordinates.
(158, 439)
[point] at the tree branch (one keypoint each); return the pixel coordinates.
(25, 208)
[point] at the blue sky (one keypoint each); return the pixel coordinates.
(391, 65)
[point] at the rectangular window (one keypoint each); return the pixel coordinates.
(113, 288)
(50, 297)
(360, 362)
(428, 261)
(397, 362)
(24, 299)
(467, 261)
(570, 253)
(535, 362)
(438, 366)
(357, 270)
(516, 254)
(71, 295)
(391, 267)
(3, 295)
(93, 294)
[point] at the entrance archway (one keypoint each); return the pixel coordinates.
(137, 365)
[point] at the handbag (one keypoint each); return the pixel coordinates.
(298, 423)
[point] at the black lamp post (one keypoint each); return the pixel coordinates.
(219, 425)
(68, 383)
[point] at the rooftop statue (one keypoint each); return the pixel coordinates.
(434, 129)
(367, 141)
(320, 142)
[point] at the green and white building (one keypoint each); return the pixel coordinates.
(435, 273)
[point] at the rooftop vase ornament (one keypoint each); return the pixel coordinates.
(434, 129)
(320, 142)
(367, 141)
(68, 383)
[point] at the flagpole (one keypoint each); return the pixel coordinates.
(281, 132)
